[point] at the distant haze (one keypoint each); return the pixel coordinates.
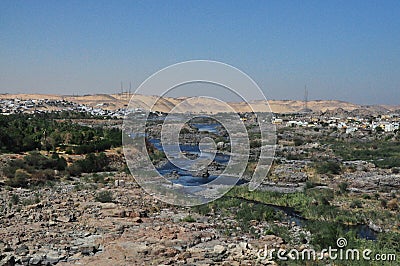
(341, 50)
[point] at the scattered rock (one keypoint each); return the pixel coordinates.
(8, 260)
(52, 258)
(22, 250)
(36, 260)
(219, 249)
(137, 220)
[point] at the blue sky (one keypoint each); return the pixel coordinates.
(346, 50)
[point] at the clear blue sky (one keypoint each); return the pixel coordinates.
(346, 50)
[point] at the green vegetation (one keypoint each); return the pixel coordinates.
(99, 178)
(104, 196)
(329, 167)
(356, 204)
(14, 199)
(91, 164)
(242, 211)
(325, 220)
(189, 219)
(384, 154)
(34, 168)
(24, 132)
(343, 187)
(393, 205)
(298, 142)
(56, 133)
(248, 208)
(31, 200)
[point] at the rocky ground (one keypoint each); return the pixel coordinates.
(66, 225)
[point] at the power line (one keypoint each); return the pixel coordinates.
(305, 98)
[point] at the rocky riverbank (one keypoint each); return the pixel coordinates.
(67, 225)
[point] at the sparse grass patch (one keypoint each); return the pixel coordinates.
(104, 196)
(188, 219)
(356, 204)
(14, 199)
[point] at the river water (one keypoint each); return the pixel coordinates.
(187, 179)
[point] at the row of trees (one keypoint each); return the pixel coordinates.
(23, 132)
(35, 168)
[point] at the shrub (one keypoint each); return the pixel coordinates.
(204, 209)
(393, 205)
(20, 179)
(98, 178)
(329, 168)
(309, 184)
(104, 196)
(343, 187)
(366, 196)
(298, 142)
(14, 199)
(189, 219)
(383, 203)
(324, 200)
(356, 204)
(74, 170)
(255, 143)
(324, 233)
(93, 163)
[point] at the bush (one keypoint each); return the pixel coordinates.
(189, 219)
(310, 184)
(104, 196)
(74, 170)
(343, 187)
(93, 163)
(298, 142)
(14, 199)
(34, 168)
(255, 144)
(329, 168)
(383, 203)
(366, 196)
(324, 233)
(324, 201)
(41, 176)
(356, 204)
(20, 179)
(393, 205)
(98, 178)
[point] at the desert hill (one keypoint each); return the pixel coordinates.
(203, 105)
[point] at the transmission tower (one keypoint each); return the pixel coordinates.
(305, 99)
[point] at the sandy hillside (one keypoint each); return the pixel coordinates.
(199, 105)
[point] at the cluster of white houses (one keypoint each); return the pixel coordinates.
(384, 123)
(15, 106)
